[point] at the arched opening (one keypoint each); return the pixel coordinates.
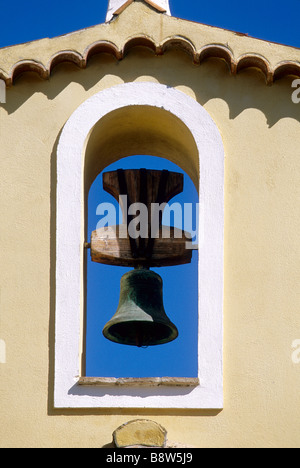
(140, 130)
(180, 291)
(150, 119)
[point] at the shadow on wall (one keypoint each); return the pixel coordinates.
(210, 80)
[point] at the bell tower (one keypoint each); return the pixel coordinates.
(115, 6)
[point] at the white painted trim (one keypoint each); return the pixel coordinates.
(114, 5)
(69, 254)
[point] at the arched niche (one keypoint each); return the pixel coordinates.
(137, 118)
(140, 129)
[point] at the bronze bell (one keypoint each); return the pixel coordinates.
(140, 319)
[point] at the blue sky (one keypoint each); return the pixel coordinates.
(275, 20)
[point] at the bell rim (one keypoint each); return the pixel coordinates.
(169, 339)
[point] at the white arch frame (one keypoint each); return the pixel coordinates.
(69, 254)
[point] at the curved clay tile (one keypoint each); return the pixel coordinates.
(140, 41)
(28, 66)
(102, 47)
(218, 51)
(255, 61)
(286, 69)
(66, 56)
(181, 43)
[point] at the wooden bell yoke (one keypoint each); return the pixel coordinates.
(167, 247)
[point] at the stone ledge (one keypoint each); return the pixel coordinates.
(140, 382)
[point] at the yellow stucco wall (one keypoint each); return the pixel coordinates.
(260, 127)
